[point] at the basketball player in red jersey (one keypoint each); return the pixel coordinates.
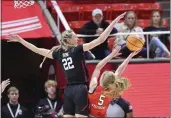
(110, 89)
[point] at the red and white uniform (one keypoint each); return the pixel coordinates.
(99, 102)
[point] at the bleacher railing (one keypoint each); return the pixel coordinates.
(60, 17)
(133, 33)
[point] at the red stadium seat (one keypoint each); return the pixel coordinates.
(86, 10)
(110, 42)
(74, 12)
(117, 9)
(142, 1)
(145, 23)
(76, 25)
(70, 11)
(145, 9)
(110, 1)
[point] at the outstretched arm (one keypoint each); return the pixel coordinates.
(103, 36)
(124, 64)
(40, 51)
(99, 66)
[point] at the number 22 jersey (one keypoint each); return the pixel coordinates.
(73, 64)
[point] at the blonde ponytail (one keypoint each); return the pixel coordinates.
(122, 84)
(116, 88)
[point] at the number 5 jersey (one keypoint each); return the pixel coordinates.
(98, 103)
(104, 106)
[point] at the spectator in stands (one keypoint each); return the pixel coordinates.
(128, 26)
(96, 26)
(158, 42)
(52, 104)
(13, 109)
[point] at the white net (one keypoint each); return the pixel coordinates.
(23, 3)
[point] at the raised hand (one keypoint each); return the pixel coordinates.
(135, 52)
(13, 38)
(116, 50)
(120, 17)
(4, 84)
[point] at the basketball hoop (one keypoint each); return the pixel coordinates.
(23, 3)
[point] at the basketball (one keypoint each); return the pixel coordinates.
(134, 43)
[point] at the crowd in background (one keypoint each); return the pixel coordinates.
(157, 43)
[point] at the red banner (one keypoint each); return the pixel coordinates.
(28, 22)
